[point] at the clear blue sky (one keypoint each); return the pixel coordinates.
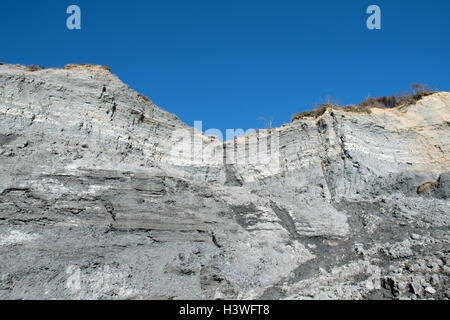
(229, 62)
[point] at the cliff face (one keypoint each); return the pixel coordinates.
(104, 195)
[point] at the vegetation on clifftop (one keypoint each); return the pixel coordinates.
(417, 92)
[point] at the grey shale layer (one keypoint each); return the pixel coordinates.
(95, 203)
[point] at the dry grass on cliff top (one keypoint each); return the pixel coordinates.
(31, 68)
(416, 93)
(87, 66)
(72, 66)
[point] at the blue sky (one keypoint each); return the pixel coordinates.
(229, 62)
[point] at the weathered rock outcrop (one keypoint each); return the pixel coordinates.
(99, 198)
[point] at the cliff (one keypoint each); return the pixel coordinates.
(105, 195)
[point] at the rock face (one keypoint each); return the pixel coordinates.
(103, 195)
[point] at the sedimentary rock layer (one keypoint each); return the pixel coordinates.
(104, 195)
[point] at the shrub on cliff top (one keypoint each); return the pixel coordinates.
(320, 110)
(417, 92)
(34, 68)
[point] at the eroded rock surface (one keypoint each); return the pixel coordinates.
(97, 202)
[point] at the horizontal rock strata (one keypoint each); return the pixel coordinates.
(103, 195)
